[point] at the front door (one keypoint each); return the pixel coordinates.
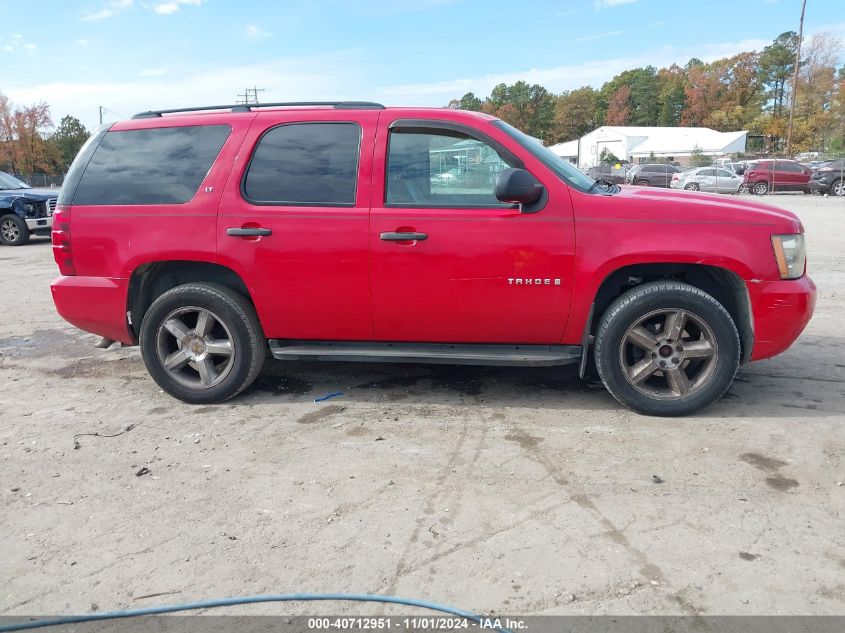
(450, 263)
(293, 222)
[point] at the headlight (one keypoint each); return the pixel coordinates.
(790, 255)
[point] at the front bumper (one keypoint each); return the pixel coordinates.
(94, 304)
(782, 310)
(39, 224)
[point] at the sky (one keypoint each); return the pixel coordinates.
(135, 55)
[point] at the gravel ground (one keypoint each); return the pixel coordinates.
(522, 491)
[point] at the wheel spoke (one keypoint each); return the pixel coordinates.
(674, 325)
(204, 323)
(219, 347)
(641, 371)
(177, 328)
(206, 371)
(678, 381)
(642, 338)
(699, 349)
(176, 360)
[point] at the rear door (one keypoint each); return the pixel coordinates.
(293, 222)
(450, 263)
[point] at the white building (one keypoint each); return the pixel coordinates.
(638, 144)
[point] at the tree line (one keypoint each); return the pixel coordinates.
(748, 91)
(31, 144)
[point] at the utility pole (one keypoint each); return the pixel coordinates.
(795, 82)
(249, 96)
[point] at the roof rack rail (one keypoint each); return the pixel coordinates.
(241, 107)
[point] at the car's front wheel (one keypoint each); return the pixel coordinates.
(667, 348)
(643, 183)
(202, 343)
(838, 188)
(743, 189)
(13, 230)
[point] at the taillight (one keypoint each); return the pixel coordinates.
(60, 236)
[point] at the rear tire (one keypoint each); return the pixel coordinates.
(693, 186)
(202, 343)
(760, 188)
(13, 230)
(666, 348)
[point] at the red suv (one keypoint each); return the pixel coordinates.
(763, 176)
(350, 231)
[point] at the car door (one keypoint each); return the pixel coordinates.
(293, 222)
(706, 179)
(726, 181)
(450, 263)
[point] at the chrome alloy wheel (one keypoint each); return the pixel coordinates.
(195, 347)
(10, 231)
(669, 354)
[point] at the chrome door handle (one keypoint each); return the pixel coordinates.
(392, 236)
(236, 231)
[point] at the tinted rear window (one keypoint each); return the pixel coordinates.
(153, 166)
(305, 164)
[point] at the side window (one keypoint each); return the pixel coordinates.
(312, 164)
(441, 168)
(724, 173)
(707, 172)
(150, 166)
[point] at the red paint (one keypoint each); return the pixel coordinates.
(483, 275)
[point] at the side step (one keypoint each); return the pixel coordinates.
(439, 353)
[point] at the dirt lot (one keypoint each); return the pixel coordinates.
(495, 490)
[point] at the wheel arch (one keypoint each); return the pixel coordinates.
(149, 281)
(723, 284)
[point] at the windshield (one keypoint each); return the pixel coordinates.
(8, 182)
(562, 168)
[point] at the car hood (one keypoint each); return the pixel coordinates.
(667, 205)
(33, 194)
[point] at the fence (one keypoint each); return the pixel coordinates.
(49, 181)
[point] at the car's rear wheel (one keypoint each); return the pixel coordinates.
(693, 186)
(642, 183)
(13, 230)
(760, 188)
(666, 348)
(202, 343)
(838, 188)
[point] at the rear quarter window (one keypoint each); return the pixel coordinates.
(150, 166)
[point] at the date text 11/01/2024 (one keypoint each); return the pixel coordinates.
(414, 623)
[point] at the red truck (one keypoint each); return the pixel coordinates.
(351, 231)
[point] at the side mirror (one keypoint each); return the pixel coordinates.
(518, 186)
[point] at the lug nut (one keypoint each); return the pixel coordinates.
(679, 349)
(674, 360)
(663, 363)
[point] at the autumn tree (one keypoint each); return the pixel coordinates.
(618, 107)
(575, 113)
(23, 146)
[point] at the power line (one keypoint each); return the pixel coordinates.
(249, 96)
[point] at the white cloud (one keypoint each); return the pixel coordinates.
(17, 42)
(82, 41)
(9, 48)
(598, 36)
(604, 4)
(29, 47)
(168, 8)
(255, 32)
(110, 8)
(153, 72)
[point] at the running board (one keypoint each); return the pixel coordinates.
(439, 353)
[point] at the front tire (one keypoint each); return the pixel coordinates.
(666, 348)
(643, 183)
(13, 230)
(202, 343)
(743, 189)
(838, 188)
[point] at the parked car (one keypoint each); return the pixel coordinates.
(766, 175)
(24, 211)
(651, 175)
(713, 179)
(608, 172)
(829, 177)
(214, 237)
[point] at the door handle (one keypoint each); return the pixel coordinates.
(238, 231)
(393, 236)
